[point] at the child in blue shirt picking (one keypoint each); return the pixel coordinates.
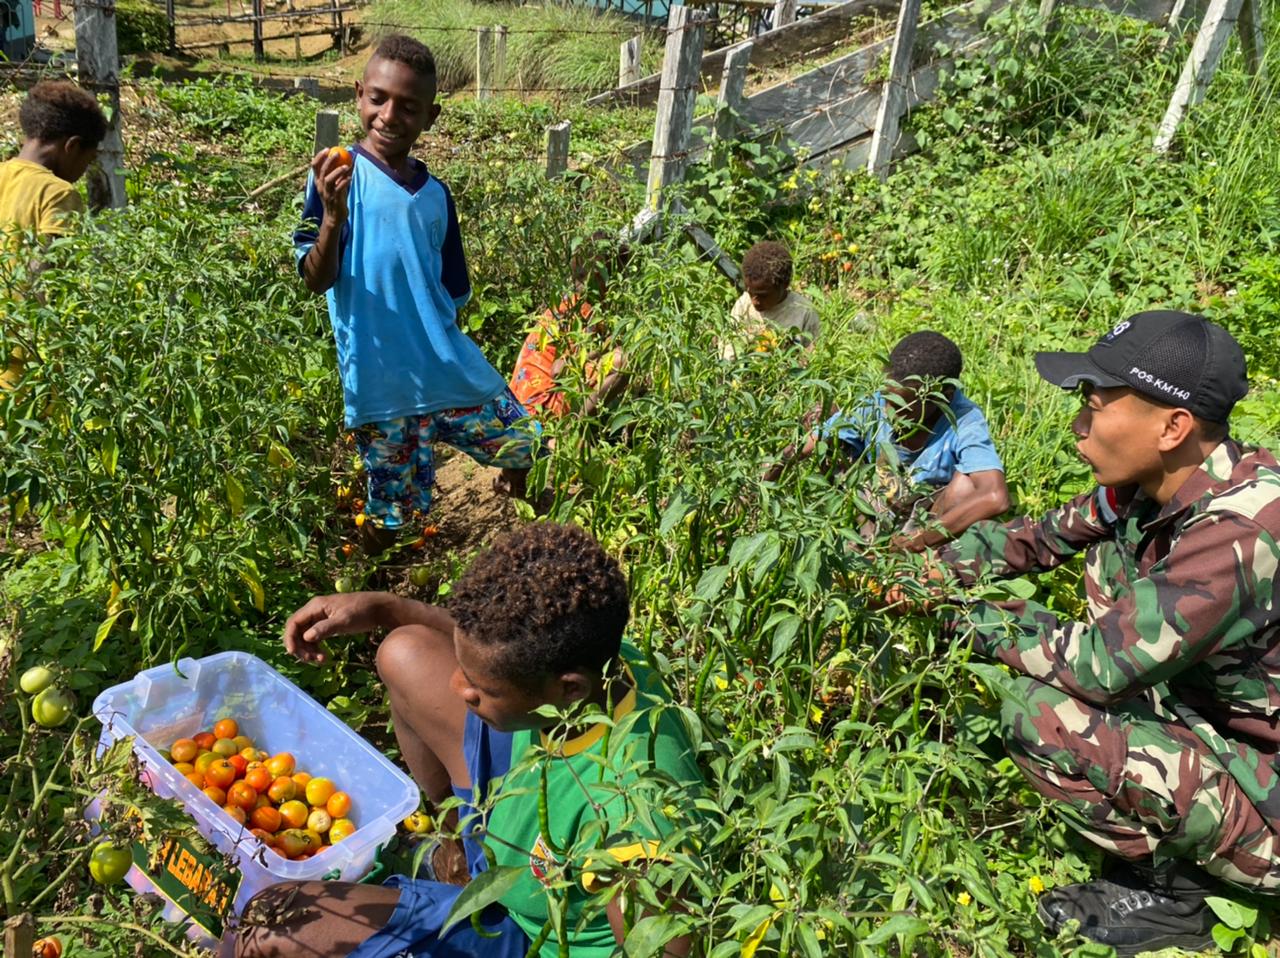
(381, 240)
(928, 440)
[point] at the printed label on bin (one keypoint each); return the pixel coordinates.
(195, 881)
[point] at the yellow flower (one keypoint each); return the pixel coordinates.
(964, 899)
(1036, 885)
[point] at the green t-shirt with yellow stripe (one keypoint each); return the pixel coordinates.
(596, 806)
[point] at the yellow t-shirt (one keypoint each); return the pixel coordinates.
(31, 197)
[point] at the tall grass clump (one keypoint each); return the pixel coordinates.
(552, 47)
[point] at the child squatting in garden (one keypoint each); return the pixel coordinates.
(769, 305)
(381, 239)
(539, 377)
(930, 444)
(465, 685)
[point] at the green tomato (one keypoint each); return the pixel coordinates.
(52, 706)
(420, 576)
(343, 584)
(35, 680)
(108, 863)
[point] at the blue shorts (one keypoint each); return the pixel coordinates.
(400, 463)
(414, 929)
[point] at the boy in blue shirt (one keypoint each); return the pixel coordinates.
(930, 443)
(381, 239)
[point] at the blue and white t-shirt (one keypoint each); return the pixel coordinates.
(959, 442)
(402, 277)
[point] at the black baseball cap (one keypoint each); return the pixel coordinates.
(1179, 359)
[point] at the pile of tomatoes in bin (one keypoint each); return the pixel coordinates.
(294, 814)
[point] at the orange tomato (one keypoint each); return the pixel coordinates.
(226, 728)
(262, 800)
(341, 155)
(338, 805)
(186, 768)
(205, 740)
(236, 812)
(281, 764)
(264, 836)
(266, 818)
(239, 764)
(244, 795)
(282, 790)
(196, 779)
(216, 795)
(249, 754)
(184, 750)
(292, 842)
(220, 774)
(340, 829)
(318, 792)
(204, 760)
(50, 947)
(259, 778)
(294, 814)
(301, 778)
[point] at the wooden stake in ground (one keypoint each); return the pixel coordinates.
(500, 57)
(20, 931)
(98, 70)
(557, 149)
(893, 97)
(326, 129)
(732, 84)
(1215, 30)
(484, 63)
(629, 61)
(259, 52)
(297, 41)
(784, 13)
(673, 128)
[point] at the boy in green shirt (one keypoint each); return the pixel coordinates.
(537, 620)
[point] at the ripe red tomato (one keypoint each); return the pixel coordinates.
(244, 795)
(221, 774)
(226, 728)
(50, 947)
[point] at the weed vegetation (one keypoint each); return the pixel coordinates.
(172, 457)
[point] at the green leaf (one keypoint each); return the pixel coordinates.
(1228, 912)
(649, 934)
(104, 629)
(711, 582)
(897, 925)
(784, 635)
(482, 891)
(1225, 937)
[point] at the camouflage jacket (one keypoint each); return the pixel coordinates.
(1183, 600)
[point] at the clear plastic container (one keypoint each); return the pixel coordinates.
(167, 703)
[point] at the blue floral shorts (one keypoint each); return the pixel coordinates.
(400, 465)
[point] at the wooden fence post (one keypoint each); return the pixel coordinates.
(98, 70)
(673, 128)
(733, 82)
(629, 61)
(557, 149)
(307, 85)
(784, 12)
(20, 931)
(1252, 44)
(893, 97)
(1198, 71)
(171, 16)
(484, 63)
(500, 57)
(326, 129)
(339, 27)
(259, 53)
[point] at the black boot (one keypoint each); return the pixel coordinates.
(1137, 907)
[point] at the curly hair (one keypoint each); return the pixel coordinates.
(927, 356)
(548, 599)
(769, 262)
(58, 109)
(412, 53)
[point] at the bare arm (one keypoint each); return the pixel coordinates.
(968, 498)
(355, 613)
(675, 948)
(332, 179)
(610, 386)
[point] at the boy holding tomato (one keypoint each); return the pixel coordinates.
(577, 801)
(381, 240)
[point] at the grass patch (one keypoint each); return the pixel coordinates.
(565, 48)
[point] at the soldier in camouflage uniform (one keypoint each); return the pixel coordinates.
(1155, 723)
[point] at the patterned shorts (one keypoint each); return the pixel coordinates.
(400, 465)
